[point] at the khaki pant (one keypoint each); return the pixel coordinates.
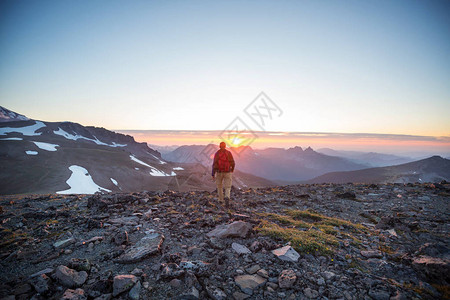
(223, 180)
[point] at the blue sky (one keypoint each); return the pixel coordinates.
(331, 66)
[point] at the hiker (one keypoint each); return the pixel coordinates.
(222, 168)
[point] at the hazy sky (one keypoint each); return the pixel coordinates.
(330, 66)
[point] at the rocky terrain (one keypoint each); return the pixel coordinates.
(293, 242)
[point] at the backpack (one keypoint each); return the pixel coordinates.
(223, 163)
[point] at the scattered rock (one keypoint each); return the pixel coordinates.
(64, 243)
(77, 294)
(216, 293)
(287, 253)
(135, 291)
(247, 283)
(148, 245)
(287, 279)
(235, 229)
(253, 269)
(310, 293)
(123, 283)
(69, 277)
(240, 249)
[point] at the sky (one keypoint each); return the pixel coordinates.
(378, 67)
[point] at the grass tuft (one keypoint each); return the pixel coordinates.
(308, 231)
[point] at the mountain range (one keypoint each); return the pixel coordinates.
(47, 157)
(276, 164)
(64, 157)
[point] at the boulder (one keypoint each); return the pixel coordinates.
(286, 253)
(437, 269)
(123, 283)
(235, 229)
(69, 277)
(240, 249)
(148, 245)
(247, 283)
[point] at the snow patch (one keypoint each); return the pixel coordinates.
(69, 136)
(154, 171)
(114, 181)
(178, 168)
(159, 160)
(28, 130)
(139, 161)
(81, 182)
(12, 139)
(46, 146)
(30, 152)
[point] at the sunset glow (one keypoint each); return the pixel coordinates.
(360, 142)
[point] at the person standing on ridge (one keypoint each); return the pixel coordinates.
(222, 168)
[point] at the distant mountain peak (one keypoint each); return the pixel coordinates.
(7, 115)
(309, 150)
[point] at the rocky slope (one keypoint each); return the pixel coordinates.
(294, 242)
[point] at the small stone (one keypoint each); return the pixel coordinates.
(263, 273)
(216, 293)
(286, 253)
(253, 269)
(40, 283)
(247, 283)
(287, 279)
(192, 294)
(137, 272)
(321, 281)
(392, 232)
(135, 291)
(77, 294)
(310, 293)
(256, 246)
(273, 285)
(69, 277)
(123, 283)
(175, 283)
(240, 249)
(328, 275)
(64, 243)
(45, 271)
(240, 296)
(80, 264)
